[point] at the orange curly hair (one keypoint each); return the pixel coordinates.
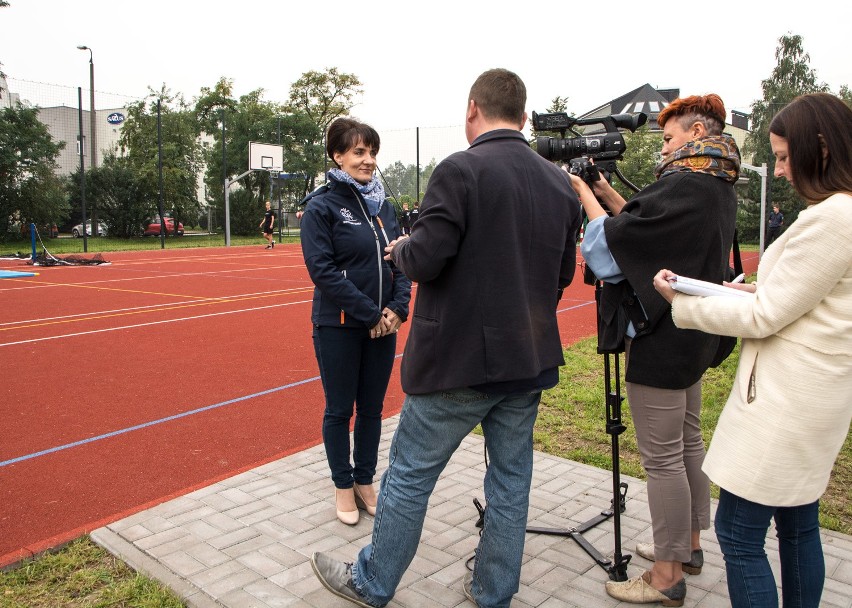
(694, 107)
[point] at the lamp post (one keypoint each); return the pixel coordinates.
(92, 161)
(92, 125)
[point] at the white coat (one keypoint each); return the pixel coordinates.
(791, 404)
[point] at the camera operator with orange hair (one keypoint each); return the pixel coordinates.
(686, 220)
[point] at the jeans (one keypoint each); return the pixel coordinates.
(430, 429)
(741, 527)
(355, 370)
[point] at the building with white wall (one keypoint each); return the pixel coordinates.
(63, 123)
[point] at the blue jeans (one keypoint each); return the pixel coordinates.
(430, 429)
(355, 370)
(741, 527)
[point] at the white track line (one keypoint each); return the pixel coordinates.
(200, 300)
(108, 329)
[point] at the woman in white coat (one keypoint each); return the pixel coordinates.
(790, 407)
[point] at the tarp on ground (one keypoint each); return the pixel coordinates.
(12, 274)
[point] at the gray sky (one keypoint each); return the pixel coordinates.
(417, 61)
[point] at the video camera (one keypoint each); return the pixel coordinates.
(605, 149)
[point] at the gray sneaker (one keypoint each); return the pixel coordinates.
(467, 587)
(337, 577)
(693, 566)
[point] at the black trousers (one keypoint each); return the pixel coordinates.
(355, 370)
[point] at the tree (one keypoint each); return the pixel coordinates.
(249, 119)
(401, 180)
(29, 188)
(321, 97)
(640, 160)
(121, 195)
(792, 76)
(181, 153)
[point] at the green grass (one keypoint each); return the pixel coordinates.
(81, 574)
(572, 424)
(66, 246)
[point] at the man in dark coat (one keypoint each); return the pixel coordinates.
(493, 247)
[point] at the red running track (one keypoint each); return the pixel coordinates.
(126, 385)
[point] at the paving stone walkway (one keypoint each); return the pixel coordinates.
(246, 542)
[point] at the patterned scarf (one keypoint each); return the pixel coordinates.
(717, 156)
(373, 191)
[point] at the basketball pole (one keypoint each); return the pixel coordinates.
(262, 157)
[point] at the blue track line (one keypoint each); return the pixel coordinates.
(153, 422)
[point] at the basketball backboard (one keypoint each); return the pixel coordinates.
(266, 157)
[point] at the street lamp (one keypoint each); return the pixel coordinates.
(93, 161)
(92, 125)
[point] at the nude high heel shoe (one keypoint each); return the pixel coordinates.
(368, 503)
(344, 501)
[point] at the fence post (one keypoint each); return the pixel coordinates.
(82, 168)
(160, 177)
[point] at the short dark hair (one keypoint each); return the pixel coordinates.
(345, 133)
(500, 95)
(708, 109)
(811, 123)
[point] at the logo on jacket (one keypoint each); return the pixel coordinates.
(348, 218)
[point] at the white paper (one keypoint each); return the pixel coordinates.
(696, 287)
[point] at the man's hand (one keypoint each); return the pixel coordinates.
(392, 244)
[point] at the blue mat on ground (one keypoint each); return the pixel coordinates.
(12, 274)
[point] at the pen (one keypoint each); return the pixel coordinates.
(739, 279)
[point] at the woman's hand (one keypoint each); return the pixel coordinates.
(663, 285)
(377, 330)
(393, 320)
(388, 324)
(587, 198)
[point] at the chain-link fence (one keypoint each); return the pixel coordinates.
(175, 174)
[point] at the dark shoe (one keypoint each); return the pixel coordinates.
(337, 577)
(273, 244)
(638, 590)
(693, 566)
(467, 587)
(268, 247)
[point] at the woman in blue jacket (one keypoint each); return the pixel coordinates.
(360, 301)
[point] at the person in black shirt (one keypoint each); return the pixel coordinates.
(776, 220)
(266, 225)
(405, 220)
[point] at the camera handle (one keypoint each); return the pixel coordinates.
(617, 566)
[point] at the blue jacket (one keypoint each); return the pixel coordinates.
(344, 251)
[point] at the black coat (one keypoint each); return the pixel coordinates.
(493, 246)
(684, 222)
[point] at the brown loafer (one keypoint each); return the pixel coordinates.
(638, 590)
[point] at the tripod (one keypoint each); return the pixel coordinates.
(616, 567)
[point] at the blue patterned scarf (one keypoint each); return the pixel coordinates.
(373, 191)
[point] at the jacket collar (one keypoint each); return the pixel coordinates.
(499, 134)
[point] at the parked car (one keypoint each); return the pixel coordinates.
(77, 231)
(153, 228)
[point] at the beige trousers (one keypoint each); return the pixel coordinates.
(668, 434)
